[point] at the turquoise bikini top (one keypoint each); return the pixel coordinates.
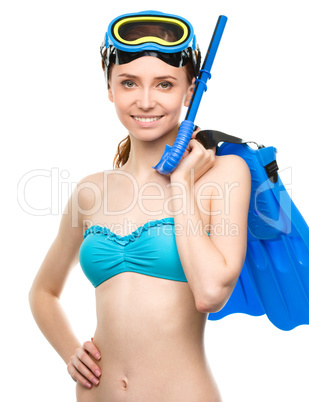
(150, 250)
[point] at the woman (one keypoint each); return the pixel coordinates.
(149, 243)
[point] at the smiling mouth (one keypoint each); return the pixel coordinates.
(146, 119)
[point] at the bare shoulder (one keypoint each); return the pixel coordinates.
(89, 189)
(232, 162)
(86, 196)
(94, 178)
(228, 172)
(230, 168)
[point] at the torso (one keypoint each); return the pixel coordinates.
(150, 335)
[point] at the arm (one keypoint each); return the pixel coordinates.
(212, 263)
(44, 296)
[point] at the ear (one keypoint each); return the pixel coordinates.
(110, 94)
(189, 93)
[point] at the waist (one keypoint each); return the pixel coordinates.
(192, 383)
(132, 307)
(137, 348)
(151, 340)
(140, 316)
(154, 370)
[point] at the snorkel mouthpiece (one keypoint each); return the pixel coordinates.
(172, 154)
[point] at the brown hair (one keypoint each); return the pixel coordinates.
(135, 32)
(123, 152)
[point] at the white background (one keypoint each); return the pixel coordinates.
(57, 126)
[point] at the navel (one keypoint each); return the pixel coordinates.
(124, 383)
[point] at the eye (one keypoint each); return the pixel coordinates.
(128, 84)
(165, 85)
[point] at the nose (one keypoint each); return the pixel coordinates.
(146, 99)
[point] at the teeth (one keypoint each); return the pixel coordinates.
(146, 119)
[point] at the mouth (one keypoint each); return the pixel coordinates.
(149, 119)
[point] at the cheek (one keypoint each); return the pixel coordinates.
(120, 110)
(175, 104)
(120, 103)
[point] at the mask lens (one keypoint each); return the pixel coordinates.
(166, 31)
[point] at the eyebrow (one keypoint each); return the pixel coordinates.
(163, 77)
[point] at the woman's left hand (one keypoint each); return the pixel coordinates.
(196, 161)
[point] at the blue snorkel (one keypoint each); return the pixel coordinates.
(172, 154)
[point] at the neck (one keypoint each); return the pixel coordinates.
(144, 155)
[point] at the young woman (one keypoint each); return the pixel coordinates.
(153, 245)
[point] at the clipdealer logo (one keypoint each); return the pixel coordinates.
(42, 192)
(59, 191)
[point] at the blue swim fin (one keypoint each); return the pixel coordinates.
(275, 277)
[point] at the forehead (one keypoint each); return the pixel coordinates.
(147, 67)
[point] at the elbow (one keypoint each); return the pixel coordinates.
(211, 302)
(36, 298)
(32, 297)
(213, 296)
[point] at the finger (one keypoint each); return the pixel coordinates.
(199, 144)
(186, 153)
(92, 349)
(206, 154)
(196, 128)
(82, 356)
(194, 143)
(77, 377)
(85, 370)
(195, 131)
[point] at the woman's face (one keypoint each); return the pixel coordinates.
(148, 95)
